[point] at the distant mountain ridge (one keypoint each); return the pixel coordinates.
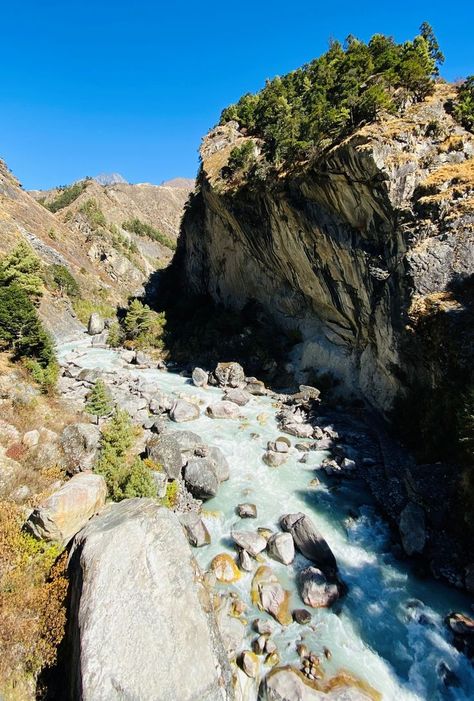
(110, 179)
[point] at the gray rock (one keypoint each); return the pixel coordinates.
(182, 411)
(253, 543)
(301, 616)
(160, 403)
(96, 324)
(200, 478)
(281, 547)
(68, 509)
(80, 443)
(245, 561)
(141, 625)
(223, 410)
(249, 663)
(187, 440)
(412, 528)
(221, 466)
(316, 591)
(309, 392)
(255, 387)
(31, 438)
(263, 626)
(195, 529)
(309, 541)
(161, 481)
(274, 459)
(200, 377)
(237, 396)
(246, 510)
(164, 450)
(229, 375)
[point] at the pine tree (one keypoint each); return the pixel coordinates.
(99, 401)
(22, 268)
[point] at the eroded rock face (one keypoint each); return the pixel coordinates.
(340, 249)
(132, 571)
(412, 528)
(68, 509)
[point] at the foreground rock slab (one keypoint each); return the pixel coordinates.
(141, 625)
(68, 509)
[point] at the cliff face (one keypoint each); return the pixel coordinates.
(350, 251)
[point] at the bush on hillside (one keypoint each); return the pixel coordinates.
(135, 226)
(57, 277)
(91, 210)
(99, 401)
(125, 475)
(33, 588)
(464, 105)
(140, 328)
(65, 197)
(22, 268)
(241, 157)
(308, 109)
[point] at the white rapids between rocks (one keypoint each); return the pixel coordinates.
(388, 629)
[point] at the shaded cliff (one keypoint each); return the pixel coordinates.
(348, 250)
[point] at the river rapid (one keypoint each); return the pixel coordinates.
(389, 629)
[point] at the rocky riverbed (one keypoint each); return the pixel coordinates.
(309, 596)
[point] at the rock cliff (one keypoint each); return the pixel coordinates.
(356, 253)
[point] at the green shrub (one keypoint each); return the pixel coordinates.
(94, 214)
(125, 476)
(67, 195)
(135, 226)
(170, 499)
(22, 268)
(58, 277)
(115, 336)
(464, 105)
(142, 327)
(241, 157)
(140, 482)
(99, 401)
(307, 110)
(22, 332)
(85, 307)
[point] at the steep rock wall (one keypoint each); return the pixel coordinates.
(344, 248)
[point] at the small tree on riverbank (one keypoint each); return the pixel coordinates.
(99, 401)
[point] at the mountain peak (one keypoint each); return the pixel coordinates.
(109, 179)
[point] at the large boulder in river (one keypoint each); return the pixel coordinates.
(80, 444)
(269, 595)
(164, 450)
(201, 478)
(281, 547)
(223, 410)
(251, 542)
(310, 542)
(316, 591)
(221, 466)
(182, 411)
(199, 377)
(141, 624)
(229, 375)
(68, 509)
(96, 324)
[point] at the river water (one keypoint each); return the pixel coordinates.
(388, 629)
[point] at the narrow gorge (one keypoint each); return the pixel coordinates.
(237, 430)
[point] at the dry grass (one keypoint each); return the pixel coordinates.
(33, 589)
(424, 307)
(461, 174)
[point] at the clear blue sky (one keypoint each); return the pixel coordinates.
(87, 87)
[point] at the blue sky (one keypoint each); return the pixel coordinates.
(88, 87)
